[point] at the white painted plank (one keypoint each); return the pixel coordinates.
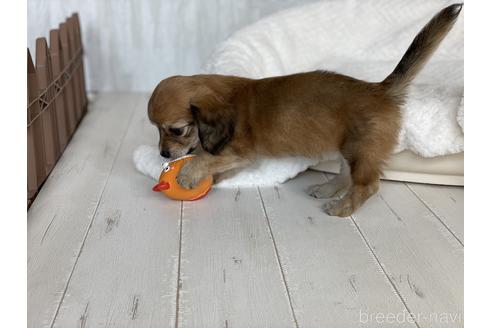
(59, 217)
(446, 202)
(229, 273)
(126, 275)
(423, 259)
(332, 276)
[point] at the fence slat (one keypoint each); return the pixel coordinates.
(43, 71)
(68, 90)
(81, 70)
(57, 68)
(75, 78)
(35, 148)
(32, 181)
(57, 100)
(36, 127)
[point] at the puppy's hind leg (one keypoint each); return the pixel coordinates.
(365, 183)
(336, 186)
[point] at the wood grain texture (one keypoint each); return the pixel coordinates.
(423, 259)
(62, 212)
(229, 273)
(103, 250)
(446, 202)
(331, 275)
(126, 275)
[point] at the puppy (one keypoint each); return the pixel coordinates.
(234, 119)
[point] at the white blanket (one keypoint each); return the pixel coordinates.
(364, 39)
(265, 172)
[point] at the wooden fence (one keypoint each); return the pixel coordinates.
(56, 98)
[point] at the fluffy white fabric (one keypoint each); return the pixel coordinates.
(364, 39)
(265, 172)
(148, 161)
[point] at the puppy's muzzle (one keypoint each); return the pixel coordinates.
(165, 153)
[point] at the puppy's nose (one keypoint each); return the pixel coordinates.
(165, 153)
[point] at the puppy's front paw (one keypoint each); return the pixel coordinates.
(185, 181)
(190, 175)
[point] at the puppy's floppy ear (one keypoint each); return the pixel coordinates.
(215, 120)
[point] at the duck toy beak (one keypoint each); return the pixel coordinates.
(161, 186)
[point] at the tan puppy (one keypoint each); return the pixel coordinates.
(311, 114)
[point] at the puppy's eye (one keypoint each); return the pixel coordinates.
(176, 131)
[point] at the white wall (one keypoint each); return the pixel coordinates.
(131, 45)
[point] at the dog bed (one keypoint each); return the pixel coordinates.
(364, 39)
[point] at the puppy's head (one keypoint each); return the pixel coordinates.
(189, 111)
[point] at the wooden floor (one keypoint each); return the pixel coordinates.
(105, 251)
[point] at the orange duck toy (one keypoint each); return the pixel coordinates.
(172, 189)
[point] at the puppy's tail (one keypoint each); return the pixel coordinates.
(421, 49)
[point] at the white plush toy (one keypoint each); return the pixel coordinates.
(265, 172)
